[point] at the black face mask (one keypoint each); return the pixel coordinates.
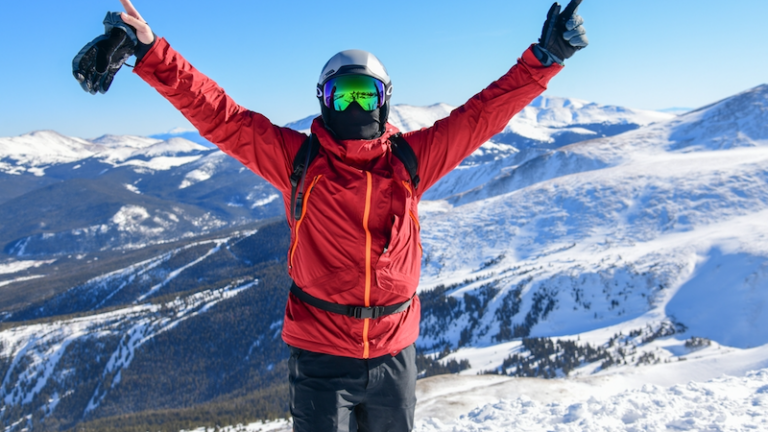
(355, 122)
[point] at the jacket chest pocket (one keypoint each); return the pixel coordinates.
(322, 258)
(398, 267)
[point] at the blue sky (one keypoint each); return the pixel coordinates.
(650, 54)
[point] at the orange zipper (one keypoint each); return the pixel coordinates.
(407, 186)
(416, 221)
(303, 212)
(366, 214)
(418, 227)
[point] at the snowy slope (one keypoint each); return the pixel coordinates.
(547, 123)
(634, 245)
(40, 361)
(739, 121)
(50, 358)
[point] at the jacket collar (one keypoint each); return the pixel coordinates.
(353, 152)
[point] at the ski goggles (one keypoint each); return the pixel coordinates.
(340, 92)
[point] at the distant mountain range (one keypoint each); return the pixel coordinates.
(150, 190)
(142, 279)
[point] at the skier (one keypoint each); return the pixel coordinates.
(352, 317)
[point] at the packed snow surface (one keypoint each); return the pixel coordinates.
(723, 404)
(726, 403)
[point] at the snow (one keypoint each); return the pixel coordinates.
(171, 147)
(742, 305)
(408, 118)
(557, 111)
(544, 120)
(264, 201)
(206, 168)
(131, 141)
(676, 110)
(195, 176)
(497, 404)
(35, 350)
(725, 403)
(130, 217)
(162, 163)
(36, 151)
(267, 426)
(17, 266)
(20, 279)
(172, 275)
(42, 148)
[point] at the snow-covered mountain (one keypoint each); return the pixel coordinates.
(65, 195)
(634, 220)
(36, 151)
(623, 257)
(189, 135)
(546, 123)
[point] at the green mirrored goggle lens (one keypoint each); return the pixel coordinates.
(340, 92)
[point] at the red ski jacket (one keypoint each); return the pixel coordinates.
(357, 242)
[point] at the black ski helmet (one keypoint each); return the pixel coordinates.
(355, 62)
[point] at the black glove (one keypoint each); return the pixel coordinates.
(562, 34)
(95, 66)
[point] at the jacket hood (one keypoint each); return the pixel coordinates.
(353, 152)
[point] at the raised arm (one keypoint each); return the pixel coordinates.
(442, 147)
(247, 136)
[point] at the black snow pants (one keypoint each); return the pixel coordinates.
(341, 394)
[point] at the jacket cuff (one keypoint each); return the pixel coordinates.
(153, 58)
(142, 49)
(542, 74)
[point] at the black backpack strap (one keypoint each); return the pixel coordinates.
(359, 312)
(302, 160)
(403, 151)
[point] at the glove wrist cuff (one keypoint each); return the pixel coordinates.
(545, 57)
(142, 49)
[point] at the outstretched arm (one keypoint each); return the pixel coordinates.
(247, 136)
(442, 147)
